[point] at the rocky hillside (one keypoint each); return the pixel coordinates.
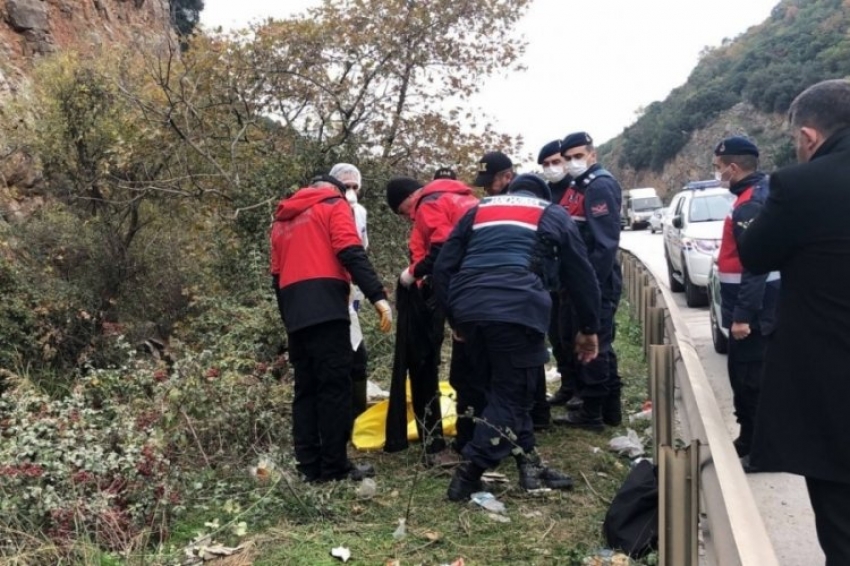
(693, 161)
(743, 87)
(33, 28)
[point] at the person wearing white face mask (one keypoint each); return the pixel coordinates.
(561, 330)
(593, 200)
(350, 177)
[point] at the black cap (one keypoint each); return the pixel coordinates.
(328, 179)
(736, 145)
(445, 173)
(398, 189)
(551, 148)
(532, 184)
(493, 162)
(576, 139)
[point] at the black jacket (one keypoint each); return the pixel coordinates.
(803, 231)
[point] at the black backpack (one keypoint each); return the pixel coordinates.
(631, 524)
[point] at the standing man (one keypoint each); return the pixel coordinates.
(748, 300)
(350, 177)
(435, 210)
(318, 252)
(593, 201)
(492, 277)
(562, 331)
(495, 172)
(804, 233)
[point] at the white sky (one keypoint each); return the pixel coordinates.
(591, 64)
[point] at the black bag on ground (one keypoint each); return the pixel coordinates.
(631, 524)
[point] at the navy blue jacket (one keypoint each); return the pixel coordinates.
(486, 269)
(593, 201)
(746, 296)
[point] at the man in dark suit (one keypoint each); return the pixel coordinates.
(803, 231)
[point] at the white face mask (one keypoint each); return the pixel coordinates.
(554, 173)
(351, 196)
(718, 176)
(576, 167)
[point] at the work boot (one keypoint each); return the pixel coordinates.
(612, 410)
(574, 404)
(533, 475)
(465, 481)
(589, 417)
(561, 396)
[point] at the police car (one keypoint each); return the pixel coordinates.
(692, 236)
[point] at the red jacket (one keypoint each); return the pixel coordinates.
(440, 206)
(316, 250)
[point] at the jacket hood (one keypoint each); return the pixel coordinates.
(445, 186)
(302, 200)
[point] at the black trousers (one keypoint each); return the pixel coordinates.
(470, 385)
(745, 365)
(562, 332)
(831, 504)
(512, 356)
(601, 377)
(321, 409)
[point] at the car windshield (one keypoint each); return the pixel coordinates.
(710, 208)
(646, 203)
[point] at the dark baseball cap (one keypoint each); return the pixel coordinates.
(736, 145)
(492, 163)
(445, 173)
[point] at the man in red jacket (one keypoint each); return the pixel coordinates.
(435, 210)
(317, 252)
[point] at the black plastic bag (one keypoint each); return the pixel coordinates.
(631, 524)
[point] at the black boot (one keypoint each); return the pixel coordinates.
(465, 481)
(533, 475)
(589, 417)
(561, 396)
(574, 403)
(612, 409)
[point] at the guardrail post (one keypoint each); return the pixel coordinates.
(678, 505)
(655, 326)
(647, 302)
(661, 369)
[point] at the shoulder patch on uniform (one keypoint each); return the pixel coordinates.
(745, 224)
(599, 209)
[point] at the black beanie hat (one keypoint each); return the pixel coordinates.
(531, 183)
(398, 189)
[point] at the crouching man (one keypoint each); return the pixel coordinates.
(493, 276)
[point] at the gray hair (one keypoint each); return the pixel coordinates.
(824, 106)
(346, 172)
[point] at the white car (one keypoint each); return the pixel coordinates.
(719, 335)
(692, 236)
(657, 219)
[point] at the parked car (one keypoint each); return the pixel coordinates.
(693, 235)
(657, 219)
(719, 335)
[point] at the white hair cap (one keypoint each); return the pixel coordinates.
(346, 172)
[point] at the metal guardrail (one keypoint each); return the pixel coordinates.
(705, 476)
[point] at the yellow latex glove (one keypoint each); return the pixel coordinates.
(386, 314)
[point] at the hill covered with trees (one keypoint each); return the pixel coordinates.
(759, 72)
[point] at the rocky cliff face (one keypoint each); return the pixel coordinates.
(32, 28)
(693, 162)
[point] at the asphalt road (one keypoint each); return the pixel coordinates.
(781, 498)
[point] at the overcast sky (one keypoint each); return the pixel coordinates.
(591, 64)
